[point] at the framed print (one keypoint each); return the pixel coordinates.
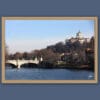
(49, 50)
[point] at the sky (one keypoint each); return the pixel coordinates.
(28, 35)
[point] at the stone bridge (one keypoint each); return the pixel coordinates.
(18, 62)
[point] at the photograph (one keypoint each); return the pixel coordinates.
(49, 50)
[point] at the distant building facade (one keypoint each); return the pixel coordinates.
(80, 38)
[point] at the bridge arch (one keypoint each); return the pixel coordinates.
(19, 63)
(10, 65)
(28, 65)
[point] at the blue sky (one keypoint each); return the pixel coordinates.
(28, 35)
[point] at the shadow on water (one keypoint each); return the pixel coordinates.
(29, 65)
(9, 65)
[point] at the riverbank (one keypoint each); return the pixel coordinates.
(64, 65)
(72, 67)
(57, 66)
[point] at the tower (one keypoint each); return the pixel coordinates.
(79, 35)
(41, 59)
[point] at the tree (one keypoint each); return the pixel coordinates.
(6, 53)
(36, 53)
(92, 43)
(60, 47)
(17, 55)
(49, 56)
(26, 55)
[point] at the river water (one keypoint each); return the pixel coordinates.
(47, 74)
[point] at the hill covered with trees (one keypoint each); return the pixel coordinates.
(65, 54)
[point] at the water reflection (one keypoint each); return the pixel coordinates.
(47, 74)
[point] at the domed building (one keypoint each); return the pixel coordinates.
(79, 37)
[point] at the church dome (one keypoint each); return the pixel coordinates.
(79, 35)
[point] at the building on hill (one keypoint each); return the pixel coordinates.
(80, 38)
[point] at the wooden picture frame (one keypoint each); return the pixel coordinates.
(51, 81)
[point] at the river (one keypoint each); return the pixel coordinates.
(47, 74)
